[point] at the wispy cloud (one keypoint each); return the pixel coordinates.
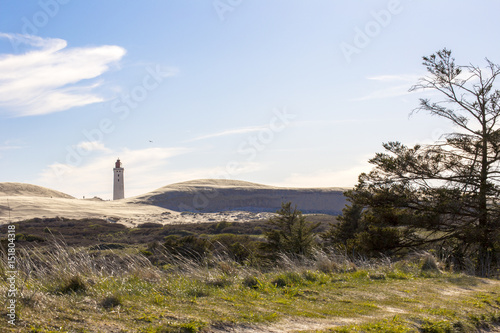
(49, 77)
(9, 147)
(393, 78)
(242, 130)
(394, 86)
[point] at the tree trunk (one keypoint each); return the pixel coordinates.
(483, 259)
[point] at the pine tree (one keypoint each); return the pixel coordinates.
(290, 232)
(448, 190)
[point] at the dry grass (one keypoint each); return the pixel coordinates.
(63, 289)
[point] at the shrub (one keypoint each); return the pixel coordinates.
(193, 247)
(239, 247)
(149, 225)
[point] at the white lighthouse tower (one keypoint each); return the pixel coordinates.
(118, 181)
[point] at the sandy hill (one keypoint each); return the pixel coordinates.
(196, 201)
(21, 189)
(215, 195)
(19, 201)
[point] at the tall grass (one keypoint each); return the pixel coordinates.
(124, 286)
(51, 266)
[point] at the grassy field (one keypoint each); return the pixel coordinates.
(89, 289)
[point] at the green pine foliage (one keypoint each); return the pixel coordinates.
(290, 232)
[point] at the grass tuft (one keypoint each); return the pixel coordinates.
(74, 285)
(251, 282)
(287, 279)
(111, 302)
(429, 263)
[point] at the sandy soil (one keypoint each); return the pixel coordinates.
(129, 214)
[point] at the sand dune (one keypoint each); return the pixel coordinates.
(214, 195)
(188, 202)
(21, 189)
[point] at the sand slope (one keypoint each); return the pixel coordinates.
(215, 195)
(21, 189)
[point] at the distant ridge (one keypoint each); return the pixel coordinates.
(215, 195)
(218, 183)
(29, 190)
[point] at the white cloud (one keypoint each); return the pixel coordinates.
(328, 178)
(145, 170)
(46, 79)
(89, 146)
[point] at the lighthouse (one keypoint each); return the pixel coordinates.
(118, 181)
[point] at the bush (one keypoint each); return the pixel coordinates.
(239, 247)
(193, 247)
(149, 225)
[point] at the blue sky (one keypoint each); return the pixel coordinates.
(280, 92)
